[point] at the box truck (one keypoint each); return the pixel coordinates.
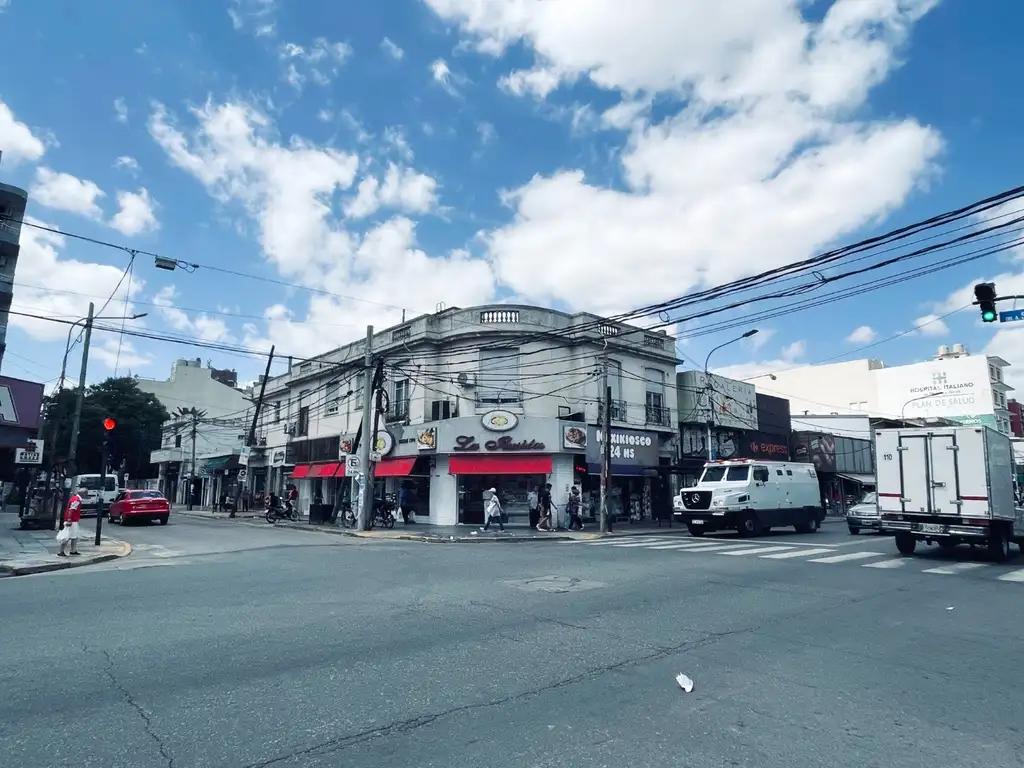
(948, 486)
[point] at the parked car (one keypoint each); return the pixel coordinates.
(140, 505)
(864, 514)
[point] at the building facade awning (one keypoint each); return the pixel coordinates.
(499, 465)
(330, 469)
(862, 479)
(394, 467)
(301, 471)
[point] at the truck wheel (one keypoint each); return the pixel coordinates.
(749, 527)
(998, 545)
(696, 530)
(947, 545)
(905, 543)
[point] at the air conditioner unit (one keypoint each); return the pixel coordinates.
(466, 380)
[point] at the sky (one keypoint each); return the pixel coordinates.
(333, 165)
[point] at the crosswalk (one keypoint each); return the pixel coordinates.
(810, 553)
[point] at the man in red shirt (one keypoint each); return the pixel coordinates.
(72, 515)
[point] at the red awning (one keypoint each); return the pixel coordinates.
(300, 471)
(499, 465)
(324, 470)
(394, 467)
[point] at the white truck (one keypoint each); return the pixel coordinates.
(947, 486)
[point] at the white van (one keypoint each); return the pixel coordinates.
(92, 488)
(752, 497)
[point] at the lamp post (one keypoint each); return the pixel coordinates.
(708, 388)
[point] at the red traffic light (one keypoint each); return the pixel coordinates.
(109, 424)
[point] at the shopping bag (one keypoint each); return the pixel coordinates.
(63, 534)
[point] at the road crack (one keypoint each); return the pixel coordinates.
(147, 722)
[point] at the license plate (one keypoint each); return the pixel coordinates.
(697, 522)
(932, 528)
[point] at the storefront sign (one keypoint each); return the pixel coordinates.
(757, 445)
(384, 443)
(20, 403)
(574, 438)
(468, 444)
(499, 421)
(30, 455)
(630, 447)
(277, 458)
(426, 439)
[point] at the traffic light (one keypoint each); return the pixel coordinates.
(985, 297)
(109, 424)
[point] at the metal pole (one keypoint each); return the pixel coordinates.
(103, 488)
(192, 465)
(366, 446)
(76, 421)
(606, 456)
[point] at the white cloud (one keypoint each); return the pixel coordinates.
(202, 325)
(626, 114)
(289, 187)
(865, 334)
(486, 132)
(539, 82)
(789, 358)
(120, 111)
(391, 49)
(395, 141)
(64, 192)
(47, 285)
(402, 189)
(17, 142)
(444, 77)
(128, 164)
(931, 325)
(758, 340)
(257, 16)
(794, 351)
(762, 132)
(320, 62)
(135, 213)
(120, 357)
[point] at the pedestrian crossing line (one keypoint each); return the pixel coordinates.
(848, 557)
(694, 547)
(798, 553)
(637, 544)
(697, 546)
(619, 543)
(1017, 576)
(720, 548)
(758, 550)
(897, 562)
(955, 568)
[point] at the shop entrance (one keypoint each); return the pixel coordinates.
(513, 490)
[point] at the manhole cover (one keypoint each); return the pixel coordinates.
(554, 584)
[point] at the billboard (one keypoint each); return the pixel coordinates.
(733, 403)
(20, 403)
(955, 388)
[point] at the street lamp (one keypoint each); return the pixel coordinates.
(67, 346)
(708, 389)
(903, 410)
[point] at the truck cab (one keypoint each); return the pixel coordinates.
(752, 497)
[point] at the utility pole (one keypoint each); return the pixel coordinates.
(368, 437)
(192, 464)
(709, 390)
(250, 440)
(79, 399)
(606, 440)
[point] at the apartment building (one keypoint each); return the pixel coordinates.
(13, 202)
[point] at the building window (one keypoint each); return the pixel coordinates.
(656, 412)
(615, 384)
(398, 408)
(177, 441)
(303, 426)
(331, 397)
(277, 411)
(357, 395)
(497, 381)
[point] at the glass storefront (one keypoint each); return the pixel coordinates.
(513, 490)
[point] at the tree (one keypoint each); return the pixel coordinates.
(139, 416)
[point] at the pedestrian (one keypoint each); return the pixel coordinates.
(68, 535)
(492, 511)
(405, 503)
(572, 508)
(533, 500)
(544, 524)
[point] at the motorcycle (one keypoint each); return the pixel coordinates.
(287, 512)
(384, 511)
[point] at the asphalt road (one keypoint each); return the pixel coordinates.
(350, 653)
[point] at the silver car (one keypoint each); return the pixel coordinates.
(864, 514)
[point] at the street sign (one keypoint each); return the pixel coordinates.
(28, 455)
(242, 474)
(1011, 315)
(375, 456)
(351, 464)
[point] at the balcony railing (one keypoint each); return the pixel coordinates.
(398, 411)
(618, 410)
(658, 415)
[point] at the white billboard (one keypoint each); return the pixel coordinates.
(734, 402)
(957, 388)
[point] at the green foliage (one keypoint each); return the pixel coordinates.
(139, 416)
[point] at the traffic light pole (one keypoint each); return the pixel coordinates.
(103, 486)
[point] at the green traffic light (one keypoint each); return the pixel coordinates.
(988, 317)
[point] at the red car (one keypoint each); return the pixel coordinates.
(140, 505)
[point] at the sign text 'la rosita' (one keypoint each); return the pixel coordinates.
(466, 443)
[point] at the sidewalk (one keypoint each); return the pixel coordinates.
(211, 515)
(27, 552)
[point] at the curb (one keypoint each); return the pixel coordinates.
(433, 539)
(124, 548)
(206, 516)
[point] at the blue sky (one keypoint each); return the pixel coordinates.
(403, 153)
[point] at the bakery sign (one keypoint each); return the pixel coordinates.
(632, 447)
(503, 444)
